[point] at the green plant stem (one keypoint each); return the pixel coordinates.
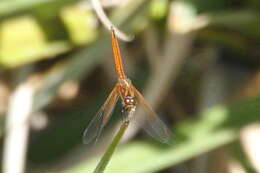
(109, 152)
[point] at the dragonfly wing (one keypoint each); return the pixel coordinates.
(95, 127)
(153, 125)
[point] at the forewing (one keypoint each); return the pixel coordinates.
(95, 127)
(153, 125)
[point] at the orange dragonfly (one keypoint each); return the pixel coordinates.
(129, 96)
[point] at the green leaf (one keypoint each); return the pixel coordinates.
(22, 41)
(80, 23)
(243, 21)
(9, 7)
(158, 9)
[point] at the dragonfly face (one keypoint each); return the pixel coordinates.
(129, 102)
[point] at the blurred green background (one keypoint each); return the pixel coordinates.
(196, 61)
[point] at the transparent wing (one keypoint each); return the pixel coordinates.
(95, 127)
(153, 125)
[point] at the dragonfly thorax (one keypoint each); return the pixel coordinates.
(126, 82)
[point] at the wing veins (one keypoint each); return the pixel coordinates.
(153, 125)
(97, 124)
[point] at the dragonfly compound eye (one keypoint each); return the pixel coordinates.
(129, 101)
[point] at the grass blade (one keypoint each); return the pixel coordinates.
(109, 152)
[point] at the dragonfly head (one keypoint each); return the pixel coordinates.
(129, 102)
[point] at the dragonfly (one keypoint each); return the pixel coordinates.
(129, 96)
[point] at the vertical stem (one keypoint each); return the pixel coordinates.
(109, 152)
(17, 129)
